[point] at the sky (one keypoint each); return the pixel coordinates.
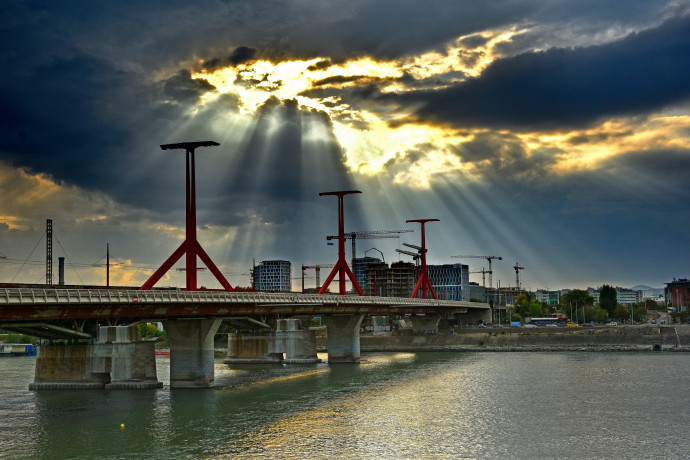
(554, 134)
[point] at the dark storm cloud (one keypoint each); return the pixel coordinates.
(242, 54)
(182, 87)
(568, 87)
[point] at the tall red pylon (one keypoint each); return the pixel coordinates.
(190, 246)
(341, 266)
(423, 281)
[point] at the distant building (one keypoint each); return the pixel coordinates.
(550, 297)
(273, 276)
(360, 266)
(475, 291)
(394, 281)
(449, 281)
(677, 294)
(623, 296)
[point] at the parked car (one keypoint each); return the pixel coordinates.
(612, 323)
(572, 325)
(530, 325)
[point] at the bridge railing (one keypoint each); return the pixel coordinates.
(14, 296)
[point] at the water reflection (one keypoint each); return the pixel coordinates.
(424, 405)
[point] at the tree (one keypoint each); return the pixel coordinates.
(577, 297)
(526, 306)
(598, 315)
(621, 313)
(608, 299)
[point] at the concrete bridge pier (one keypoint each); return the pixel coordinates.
(289, 344)
(299, 345)
(191, 351)
(118, 360)
(252, 349)
(422, 324)
(343, 338)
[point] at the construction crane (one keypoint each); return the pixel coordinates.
(517, 268)
(367, 235)
(489, 258)
(415, 256)
(383, 259)
(317, 269)
(483, 271)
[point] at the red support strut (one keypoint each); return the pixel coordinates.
(341, 267)
(423, 281)
(190, 246)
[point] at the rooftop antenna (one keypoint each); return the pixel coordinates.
(341, 266)
(190, 246)
(423, 281)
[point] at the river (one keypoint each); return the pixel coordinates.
(405, 405)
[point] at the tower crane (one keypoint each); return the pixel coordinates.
(367, 235)
(483, 271)
(489, 258)
(517, 268)
(317, 269)
(415, 255)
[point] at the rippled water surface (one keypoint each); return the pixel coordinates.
(424, 405)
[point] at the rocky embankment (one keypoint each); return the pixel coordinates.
(586, 339)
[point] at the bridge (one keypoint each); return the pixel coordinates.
(107, 318)
(113, 357)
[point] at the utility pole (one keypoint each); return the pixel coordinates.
(107, 265)
(49, 251)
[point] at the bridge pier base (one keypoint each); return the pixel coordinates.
(299, 345)
(191, 352)
(343, 338)
(117, 361)
(422, 324)
(252, 349)
(289, 345)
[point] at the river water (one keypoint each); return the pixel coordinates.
(405, 405)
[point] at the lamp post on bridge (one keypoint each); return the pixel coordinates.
(190, 246)
(341, 266)
(423, 281)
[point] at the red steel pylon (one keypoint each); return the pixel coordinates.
(341, 266)
(423, 281)
(190, 246)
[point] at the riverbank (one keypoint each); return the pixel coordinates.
(586, 339)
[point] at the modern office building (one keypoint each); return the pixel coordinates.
(273, 276)
(449, 280)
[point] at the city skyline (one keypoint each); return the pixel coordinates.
(556, 136)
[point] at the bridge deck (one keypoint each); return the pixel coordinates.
(23, 304)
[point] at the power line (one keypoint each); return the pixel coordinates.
(27, 259)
